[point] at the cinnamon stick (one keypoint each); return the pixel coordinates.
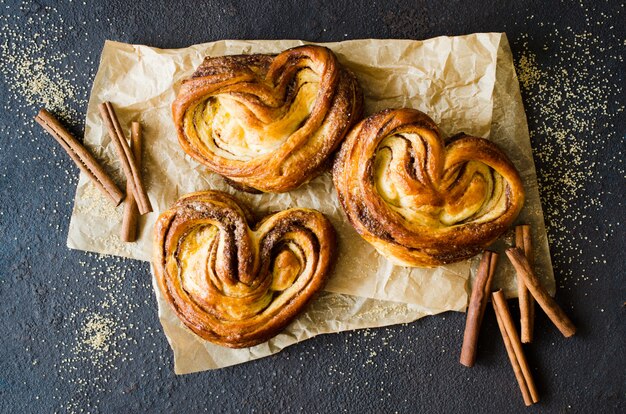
(549, 306)
(128, 162)
(81, 157)
(131, 214)
(514, 363)
(476, 307)
(523, 241)
(513, 343)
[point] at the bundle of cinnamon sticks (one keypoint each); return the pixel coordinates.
(529, 291)
(136, 201)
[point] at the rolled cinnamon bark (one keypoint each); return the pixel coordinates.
(131, 214)
(476, 307)
(81, 157)
(523, 241)
(514, 348)
(126, 159)
(549, 306)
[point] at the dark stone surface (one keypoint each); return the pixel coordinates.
(48, 294)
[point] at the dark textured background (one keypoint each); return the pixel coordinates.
(570, 58)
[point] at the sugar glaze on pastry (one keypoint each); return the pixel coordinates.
(418, 201)
(267, 123)
(232, 283)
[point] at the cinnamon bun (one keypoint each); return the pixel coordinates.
(233, 284)
(420, 202)
(267, 122)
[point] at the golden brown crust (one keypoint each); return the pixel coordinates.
(267, 122)
(419, 202)
(235, 285)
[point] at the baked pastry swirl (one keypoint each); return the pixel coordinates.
(234, 285)
(267, 122)
(419, 202)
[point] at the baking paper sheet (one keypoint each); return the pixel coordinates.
(465, 83)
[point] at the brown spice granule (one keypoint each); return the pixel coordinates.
(97, 332)
(37, 72)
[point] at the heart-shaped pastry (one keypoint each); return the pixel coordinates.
(419, 202)
(267, 122)
(232, 284)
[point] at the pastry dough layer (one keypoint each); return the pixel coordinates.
(233, 284)
(267, 122)
(418, 201)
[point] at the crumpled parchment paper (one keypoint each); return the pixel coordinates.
(465, 83)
